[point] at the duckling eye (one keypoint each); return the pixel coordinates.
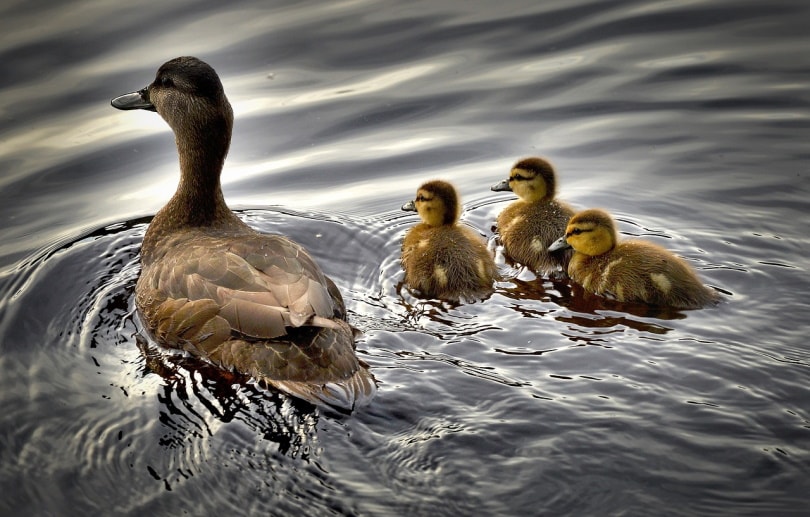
(518, 177)
(576, 231)
(166, 82)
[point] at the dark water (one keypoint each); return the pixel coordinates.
(690, 121)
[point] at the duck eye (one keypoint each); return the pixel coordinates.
(518, 177)
(576, 231)
(166, 82)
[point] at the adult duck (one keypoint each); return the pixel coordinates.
(211, 285)
(529, 225)
(629, 270)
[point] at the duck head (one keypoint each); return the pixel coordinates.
(436, 203)
(532, 179)
(188, 94)
(591, 232)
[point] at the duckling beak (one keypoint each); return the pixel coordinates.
(410, 206)
(559, 244)
(501, 186)
(134, 101)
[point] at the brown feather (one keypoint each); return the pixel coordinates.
(526, 230)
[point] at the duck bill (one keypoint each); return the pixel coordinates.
(559, 244)
(134, 101)
(501, 186)
(410, 206)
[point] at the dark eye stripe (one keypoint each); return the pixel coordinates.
(518, 177)
(577, 231)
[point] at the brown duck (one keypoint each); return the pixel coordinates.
(441, 258)
(211, 285)
(529, 225)
(630, 270)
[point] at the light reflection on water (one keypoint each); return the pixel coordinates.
(687, 121)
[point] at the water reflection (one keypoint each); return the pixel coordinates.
(585, 310)
(194, 391)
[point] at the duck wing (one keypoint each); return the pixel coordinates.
(262, 284)
(316, 364)
(257, 304)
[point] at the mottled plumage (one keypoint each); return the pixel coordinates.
(211, 285)
(529, 225)
(441, 258)
(630, 270)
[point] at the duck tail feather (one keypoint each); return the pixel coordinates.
(345, 396)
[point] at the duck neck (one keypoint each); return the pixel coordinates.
(532, 192)
(198, 200)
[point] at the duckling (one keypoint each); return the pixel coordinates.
(628, 271)
(213, 286)
(530, 224)
(441, 258)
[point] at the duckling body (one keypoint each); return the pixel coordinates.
(441, 258)
(529, 225)
(629, 270)
(211, 285)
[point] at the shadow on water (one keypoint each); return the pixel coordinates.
(585, 310)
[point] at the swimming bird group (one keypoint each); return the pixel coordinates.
(260, 305)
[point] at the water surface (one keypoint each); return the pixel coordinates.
(689, 121)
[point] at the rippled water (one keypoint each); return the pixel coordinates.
(688, 120)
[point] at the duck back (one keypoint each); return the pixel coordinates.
(526, 230)
(259, 305)
(639, 271)
(448, 262)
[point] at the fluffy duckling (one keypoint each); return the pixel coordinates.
(628, 271)
(213, 286)
(441, 258)
(528, 226)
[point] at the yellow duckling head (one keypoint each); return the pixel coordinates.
(436, 203)
(531, 179)
(591, 232)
